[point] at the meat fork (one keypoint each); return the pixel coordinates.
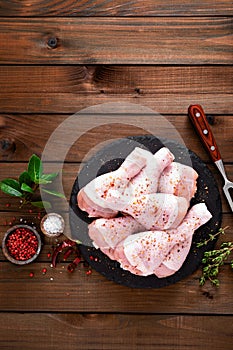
(198, 118)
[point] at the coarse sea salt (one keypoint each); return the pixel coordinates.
(52, 224)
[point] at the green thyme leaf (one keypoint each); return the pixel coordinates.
(213, 260)
(215, 282)
(202, 281)
(211, 237)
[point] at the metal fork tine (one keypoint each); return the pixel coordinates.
(227, 194)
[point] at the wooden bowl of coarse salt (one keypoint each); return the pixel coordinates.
(52, 225)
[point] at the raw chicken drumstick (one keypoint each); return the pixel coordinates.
(142, 253)
(178, 179)
(107, 194)
(157, 210)
(95, 197)
(177, 255)
(107, 233)
(147, 180)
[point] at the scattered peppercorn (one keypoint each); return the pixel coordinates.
(31, 274)
(44, 270)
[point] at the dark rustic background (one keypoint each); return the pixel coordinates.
(58, 57)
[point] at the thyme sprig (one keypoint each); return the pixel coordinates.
(213, 259)
(211, 237)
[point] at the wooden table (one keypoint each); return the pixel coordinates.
(58, 57)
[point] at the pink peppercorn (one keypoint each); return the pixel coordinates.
(22, 244)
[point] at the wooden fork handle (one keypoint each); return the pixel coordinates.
(201, 125)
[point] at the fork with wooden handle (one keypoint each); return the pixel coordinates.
(198, 118)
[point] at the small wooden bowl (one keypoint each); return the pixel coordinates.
(6, 251)
(50, 233)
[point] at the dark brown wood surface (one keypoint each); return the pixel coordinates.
(159, 331)
(193, 40)
(59, 57)
(116, 8)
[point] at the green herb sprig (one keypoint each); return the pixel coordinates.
(211, 237)
(29, 182)
(214, 259)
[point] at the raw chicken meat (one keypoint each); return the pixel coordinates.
(177, 255)
(145, 251)
(108, 233)
(147, 180)
(98, 197)
(153, 193)
(178, 179)
(157, 210)
(140, 172)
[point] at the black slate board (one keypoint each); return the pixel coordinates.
(110, 158)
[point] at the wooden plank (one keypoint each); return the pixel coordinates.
(94, 40)
(72, 103)
(117, 80)
(18, 145)
(59, 290)
(27, 331)
(116, 8)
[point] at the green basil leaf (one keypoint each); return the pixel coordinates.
(24, 177)
(11, 187)
(26, 188)
(54, 193)
(35, 168)
(43, 205)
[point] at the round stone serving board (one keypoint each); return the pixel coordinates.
(109, 158)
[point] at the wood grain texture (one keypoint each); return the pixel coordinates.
(116, 79)
(58, 57)
(95, 331)
(78, 292)
(166, 89)
(116, 40)
(72, 103)
(17, 144)
(115, 8)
